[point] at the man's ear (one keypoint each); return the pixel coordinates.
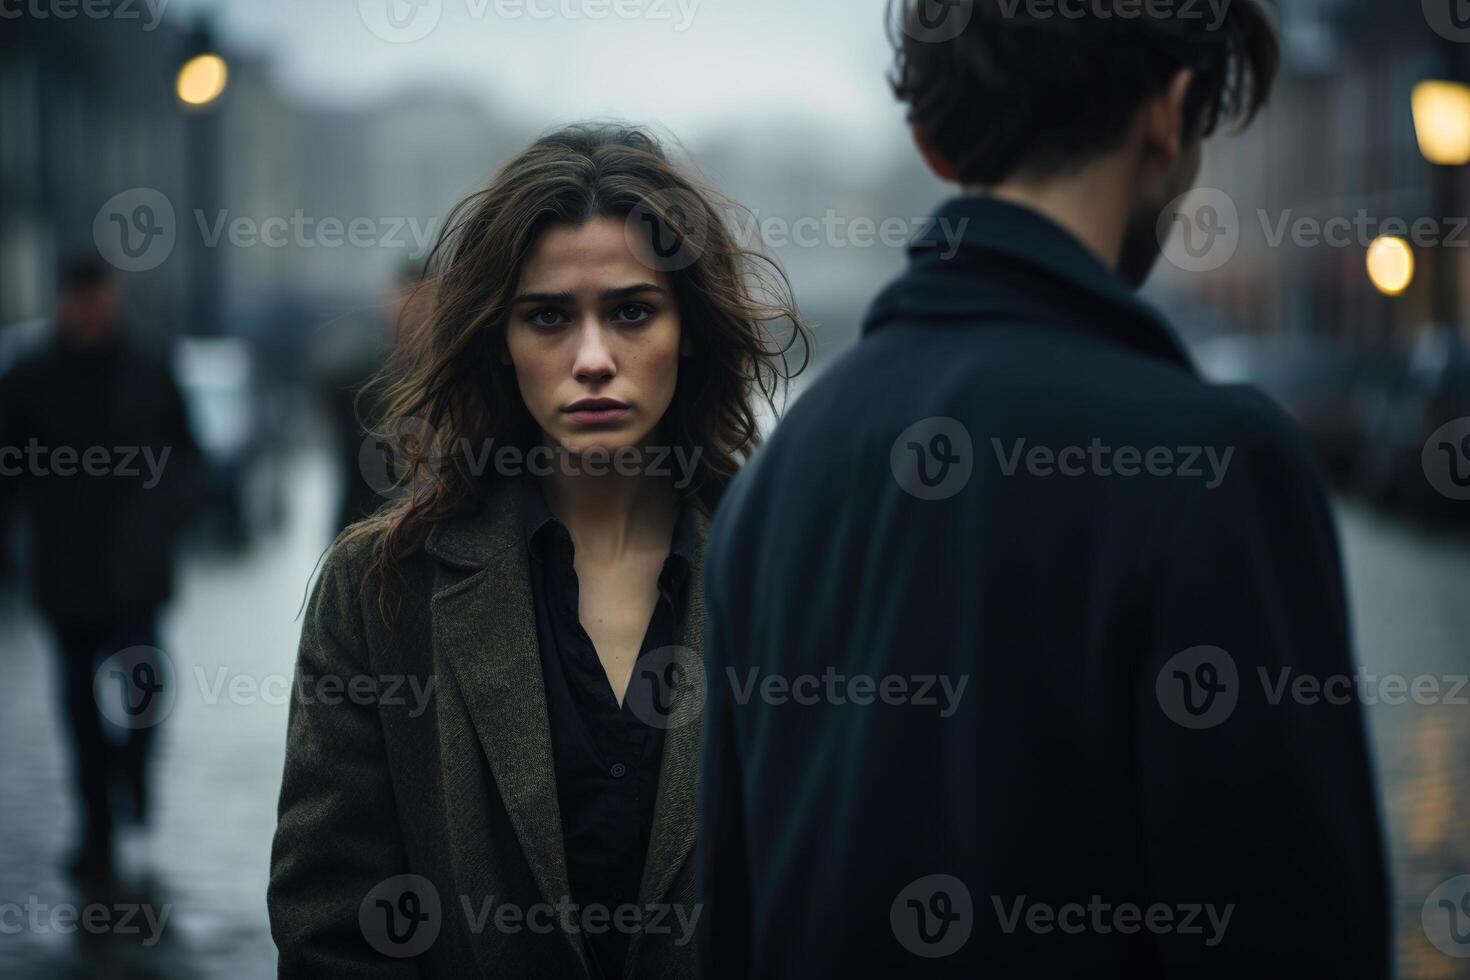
(1164, 136)
(931, 156)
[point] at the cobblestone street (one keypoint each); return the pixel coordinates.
(204, 860)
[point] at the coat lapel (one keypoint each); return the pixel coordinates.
(484, 626)
(672, 839)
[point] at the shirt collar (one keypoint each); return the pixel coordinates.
(535, 515)
(973, 243)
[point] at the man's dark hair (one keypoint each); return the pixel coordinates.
(80, 272)
(1036, 88)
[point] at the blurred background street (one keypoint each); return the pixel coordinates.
(216, 157)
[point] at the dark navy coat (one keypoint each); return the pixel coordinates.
(1007, 626)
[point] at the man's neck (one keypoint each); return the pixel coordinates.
(1089, 204)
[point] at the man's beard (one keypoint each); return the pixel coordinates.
(1143, 240)
(1141, 247)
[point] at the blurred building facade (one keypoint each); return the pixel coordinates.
(286, 214)
(1336, 142)
(88, 111)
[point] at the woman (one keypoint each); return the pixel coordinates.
(492, 751)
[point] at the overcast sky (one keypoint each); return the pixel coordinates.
(690, 65)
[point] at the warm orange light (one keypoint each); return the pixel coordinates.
(1390, 265)
(1442, 122)
(202, 79)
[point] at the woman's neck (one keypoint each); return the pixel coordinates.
(612, 514)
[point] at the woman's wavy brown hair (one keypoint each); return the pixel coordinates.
(445, 386)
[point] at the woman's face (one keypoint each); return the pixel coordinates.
(594, 337)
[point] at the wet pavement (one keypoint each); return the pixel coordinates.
(193, 899)
(1411, 614)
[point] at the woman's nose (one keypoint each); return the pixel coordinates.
(594, 355)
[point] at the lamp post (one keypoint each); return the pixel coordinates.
(201, 80)
(1442, 125)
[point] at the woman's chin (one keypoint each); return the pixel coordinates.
(600, 445)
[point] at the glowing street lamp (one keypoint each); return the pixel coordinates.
(1442, 122)
(1390, 265)
(202, 79)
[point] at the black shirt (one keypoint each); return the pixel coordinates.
(607, 759)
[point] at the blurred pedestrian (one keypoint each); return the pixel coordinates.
(98, 452)
(999, 615)
(351, 382)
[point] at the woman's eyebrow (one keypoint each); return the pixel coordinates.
(623, 292)
(566, 299)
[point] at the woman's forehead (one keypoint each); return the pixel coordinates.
(586, 260)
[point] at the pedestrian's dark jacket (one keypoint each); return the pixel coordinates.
(97, 448)
(932, 511)
(457, 789)
(349, 366)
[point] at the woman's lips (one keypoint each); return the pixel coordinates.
(599, 414)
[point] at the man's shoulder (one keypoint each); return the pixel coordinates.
(847, 420)
(29, 365)
(146, 361)
(988, 373)
(48, 359)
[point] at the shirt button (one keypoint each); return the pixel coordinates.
(618, 770)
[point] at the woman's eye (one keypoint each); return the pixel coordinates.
(633, 313)
(546, 318)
